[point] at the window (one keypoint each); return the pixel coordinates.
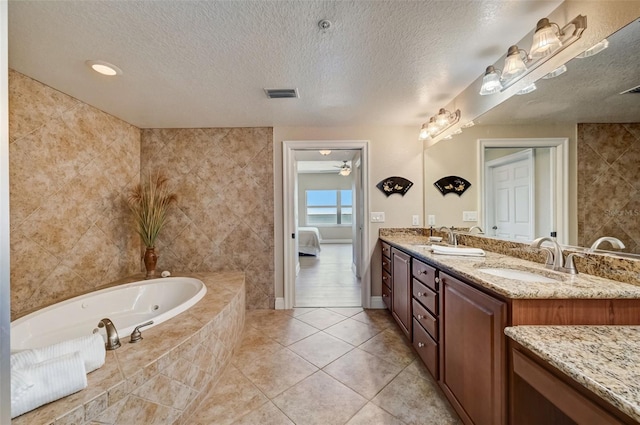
(329, 207)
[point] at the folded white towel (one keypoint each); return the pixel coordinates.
(91, 348)
(450, 250)
(44, 382)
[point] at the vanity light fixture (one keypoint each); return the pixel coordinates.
(104, 68)
(595, 49)
(548, 40)
(324, 152)
(438, 123)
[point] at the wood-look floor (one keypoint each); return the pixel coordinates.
(328, 280)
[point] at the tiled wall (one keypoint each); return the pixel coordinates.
(70, 165)
(223, 219)
(609, 183)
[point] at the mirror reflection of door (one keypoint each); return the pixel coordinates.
(510, 188)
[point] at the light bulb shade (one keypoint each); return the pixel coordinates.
(558, 71)
(345, 171)
(514, 65)
(595, 49)
(531, 87)
(424, 133)
(324, 152)
(545, 40)
(442, 119)
(432, 127)
(490, 82)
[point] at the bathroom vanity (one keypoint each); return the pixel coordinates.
(454, 312)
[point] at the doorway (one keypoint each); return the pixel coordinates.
(329, 200)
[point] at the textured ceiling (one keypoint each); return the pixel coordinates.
(206, 63)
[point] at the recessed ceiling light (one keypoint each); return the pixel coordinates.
(104, 68)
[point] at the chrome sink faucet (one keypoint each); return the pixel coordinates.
(615, 242)
(113, 341)
(555, 258)
(478, 228)
(451, 236)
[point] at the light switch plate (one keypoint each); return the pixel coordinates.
(431, 220)
(469, 215)
(415, 220)
(377, 217)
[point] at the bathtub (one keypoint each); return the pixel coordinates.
(126, 305)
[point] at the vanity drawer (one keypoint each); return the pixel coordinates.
(386, 278)
(426, 348)
(386, 264)
(425, 274)
(386, 296)
(386, 249)
(426, 319)
(426, 296)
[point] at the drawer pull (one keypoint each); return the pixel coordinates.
(384, 263)
(420, 345)
(420, 294)
(384, 278)
(384, 295)
(420, 317)
(437, 279)
(422, 272)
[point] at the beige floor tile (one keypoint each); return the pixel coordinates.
(291, 332)
(266, 319)
(320, 348)
(352, 331)
(295, 312)
(267, 414)
(321, 318)
(416, 401)
(371, 414)
(143, 411)
(254, 343)
(346, 311)
(321, 400)
(378, 319)
(230, 399)
(276, 372)
(363, 372)
(392, 346)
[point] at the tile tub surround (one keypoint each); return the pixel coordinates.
(604, 359)
(609, 267)
(163, 378)
(69, 166)
(223, 219)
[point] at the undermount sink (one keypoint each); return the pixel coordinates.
(518, 275)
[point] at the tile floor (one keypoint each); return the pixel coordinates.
(324, 366)
(328, 279)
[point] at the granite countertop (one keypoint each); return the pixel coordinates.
(567, 286)
(604, 359)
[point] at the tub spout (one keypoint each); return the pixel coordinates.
(113, 341)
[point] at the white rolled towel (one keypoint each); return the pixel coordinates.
(44, 382)
(91, 348)
(450, 250)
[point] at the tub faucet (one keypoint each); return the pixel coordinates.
(451, 237)
(113, 341)
(615, 242)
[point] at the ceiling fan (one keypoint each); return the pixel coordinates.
(345, 169)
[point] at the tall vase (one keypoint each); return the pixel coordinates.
(150, 260)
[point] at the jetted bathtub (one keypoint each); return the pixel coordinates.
(126, 305)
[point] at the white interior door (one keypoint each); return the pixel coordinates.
(510, 196)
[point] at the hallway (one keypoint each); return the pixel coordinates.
(324, 366)
(327, 280)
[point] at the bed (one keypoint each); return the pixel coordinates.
(308, 240)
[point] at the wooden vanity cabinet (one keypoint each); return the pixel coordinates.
(425, 288)
(401, 290)
(472, 352)
(386, 274)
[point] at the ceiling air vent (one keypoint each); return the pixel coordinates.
(635, 89)
(281, 93)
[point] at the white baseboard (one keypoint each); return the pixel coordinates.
(327, 241)
(376, 302)
(279, 303)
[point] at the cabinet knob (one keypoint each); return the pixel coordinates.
(420, 294)
(437, 279)
(384, 263)
(420, 317)
(420, 344)
(384, 295)
(422, 272)
(384, 278)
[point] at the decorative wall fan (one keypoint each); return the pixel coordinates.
(345, 169)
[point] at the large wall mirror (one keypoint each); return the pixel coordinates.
(595, 107)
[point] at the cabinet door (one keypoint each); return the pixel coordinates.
(401, 290)
(473, 353)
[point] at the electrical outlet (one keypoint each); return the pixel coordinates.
(431, 219)
(377, 217)
(415, 220)
(469, 215)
